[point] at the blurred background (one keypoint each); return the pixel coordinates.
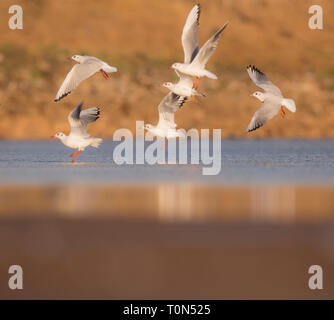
(142, 38)
(96, 229)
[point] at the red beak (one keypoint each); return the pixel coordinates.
(52, 137)
(170, 68)
(69, 58)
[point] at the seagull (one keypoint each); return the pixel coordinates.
(272, 99)
(86, 67)
(195, 59)
(184, 87)
(79, 138)
(166, 125)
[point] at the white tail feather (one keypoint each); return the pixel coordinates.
(109, 69)
(96, 143)
(210, 75)
(289, 104)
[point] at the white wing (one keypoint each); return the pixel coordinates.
(208, 48)
(184, 79)
(78, 73)
(190, 34)
(262, 81)
(79, 120)
(267, 111)
(167, 107)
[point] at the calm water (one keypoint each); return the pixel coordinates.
(168, 229)
(242, 162)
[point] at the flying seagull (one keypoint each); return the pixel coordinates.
(195, 59)
(166, 125)
(184, 87)
(272, 100)
(79, 138)
(85, 68)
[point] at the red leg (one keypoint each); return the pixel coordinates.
(165, 144)
(75, 158)
(195, 83)
(105, 75)
(198, 82)
(73, 154)
(282, 112)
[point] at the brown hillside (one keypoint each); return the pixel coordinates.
(142, 38)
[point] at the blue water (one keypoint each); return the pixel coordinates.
(242, 162)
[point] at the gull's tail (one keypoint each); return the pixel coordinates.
(289, 104)
(96, 142)
(200, 94)
(210, 75)
(108, 69)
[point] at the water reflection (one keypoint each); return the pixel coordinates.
(273, 203)
(169, 202)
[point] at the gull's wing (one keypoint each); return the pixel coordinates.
(184, 79)
(190, 34)
(262, 81)
(267, 111)
(208, 48)
(167, 107)
(79, 120)
(78, 73)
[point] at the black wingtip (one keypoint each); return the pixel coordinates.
(253, 68)
(257, 126)
(220, 31)
(198, 12)
(184, 99)
(63, 96)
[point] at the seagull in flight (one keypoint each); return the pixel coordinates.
(195, 59)
(79, 138)
(85, 68)
(272, 100)
(166, 125)
(184, 87)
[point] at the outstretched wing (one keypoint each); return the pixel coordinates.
(208, 48)
(190, 34)
(78, 73)
(267, 111)
(262, 81)
(167, 107)
(79, 120)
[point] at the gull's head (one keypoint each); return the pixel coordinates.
(76, 58)
(148, 126)
(167, 85)
(258, 95)
(175, 66)
(59, 135)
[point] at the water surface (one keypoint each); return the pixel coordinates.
(242, 162)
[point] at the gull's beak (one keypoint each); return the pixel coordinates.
(69, 58)
(251, 95)
(52, 137)
(170, 68)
